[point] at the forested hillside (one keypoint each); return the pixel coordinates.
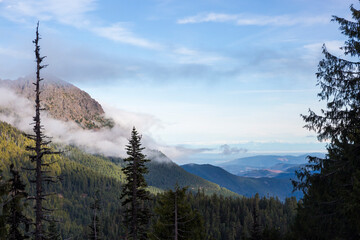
(84, 174)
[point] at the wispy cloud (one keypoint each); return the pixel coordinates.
(179, 152)
(70, 12)
(191, 56)
(255, 20)
(118, 33)
(74, 13)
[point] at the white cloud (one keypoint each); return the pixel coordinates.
(210, 17)
(18, 111)
(118, 33)
(70, 12)
(257, 20)
(228, 150)
(314, 50)
(189, 56)
(73, 13)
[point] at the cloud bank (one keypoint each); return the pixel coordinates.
(19, 111)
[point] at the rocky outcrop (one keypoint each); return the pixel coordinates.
(63, 101)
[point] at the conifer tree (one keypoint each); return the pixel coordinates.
(13, 208)
(135, 195)
(95, 226)
(255, 232)
(39, 151)
(176, 219)
(331, 185)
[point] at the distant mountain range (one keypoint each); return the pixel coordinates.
(247, 186)
(266, 165)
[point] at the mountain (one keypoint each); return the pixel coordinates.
(244, 165)
(63, 101)
(246, 186)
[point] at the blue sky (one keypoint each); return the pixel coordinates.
(216, 75)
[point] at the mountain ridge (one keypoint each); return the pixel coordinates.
(280, 187)
(63, 101)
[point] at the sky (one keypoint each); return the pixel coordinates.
(221, 79)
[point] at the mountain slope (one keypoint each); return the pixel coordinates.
(63, 101)
(281, 188)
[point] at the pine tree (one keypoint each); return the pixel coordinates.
(134, 193)
(331, 185)
(176, 219)
(13, 208)
(39, 151)
(95, 227)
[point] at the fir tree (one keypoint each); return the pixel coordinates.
(39, 151)
(13, 208)
(134, 193)
(176, 219)
(331, 185)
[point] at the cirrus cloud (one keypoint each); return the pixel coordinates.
(256, 20)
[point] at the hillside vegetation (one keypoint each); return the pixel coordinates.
(83, 174)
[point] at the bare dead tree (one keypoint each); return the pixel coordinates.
(39, 151)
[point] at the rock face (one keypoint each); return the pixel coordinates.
(63, 101)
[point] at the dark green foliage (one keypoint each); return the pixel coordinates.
(53, 232)
(13, 207)
(175, 217)
(4, 190)
(134, 195)
(256, 233)
(95, 225)
(272, 234)
(331, 208)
